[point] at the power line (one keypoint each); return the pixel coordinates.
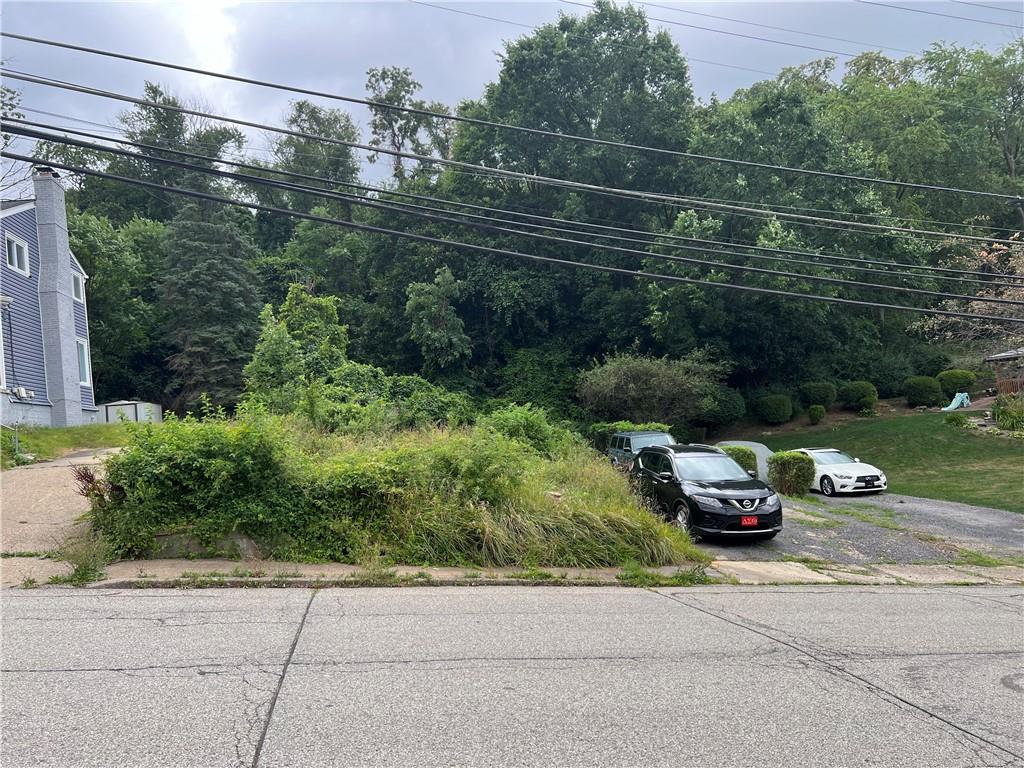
(508, 126)
(650, 197)
(362, 201)
(650, 238)
(988, 7)
(535, 28)
(514, 254)
(676, 9)
(768, 208)
(475, 15)
(731, 34)
(936, 13)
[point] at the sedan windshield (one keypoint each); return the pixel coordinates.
(713, 467)
(832, 457)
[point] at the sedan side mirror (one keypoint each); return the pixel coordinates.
(857, 460)
(752, 473)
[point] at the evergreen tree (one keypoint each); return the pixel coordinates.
(210, 304)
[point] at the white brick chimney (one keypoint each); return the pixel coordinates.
(56, 305)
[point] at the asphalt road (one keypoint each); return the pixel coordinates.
(432, 676)
(859, 529)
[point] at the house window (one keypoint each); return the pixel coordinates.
(77, 287)
(17, 254)
(83, 362)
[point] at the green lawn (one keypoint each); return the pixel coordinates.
(923, 456)
(50, 443)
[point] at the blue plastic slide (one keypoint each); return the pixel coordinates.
(962, 400)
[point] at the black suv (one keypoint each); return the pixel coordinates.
(703, 490)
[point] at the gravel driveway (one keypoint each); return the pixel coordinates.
(884, 528)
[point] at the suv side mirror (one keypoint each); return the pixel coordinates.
(665, 475)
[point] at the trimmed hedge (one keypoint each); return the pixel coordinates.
(821, 393)
(922, 390)
(774, 409)
(858, 396)
(743, 456)
(816, 413)
(956, 380)
(790, 473)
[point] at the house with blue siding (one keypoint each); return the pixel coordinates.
(45, 362)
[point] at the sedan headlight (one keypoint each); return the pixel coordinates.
(707, 501)
(772, 501)
(844, 477)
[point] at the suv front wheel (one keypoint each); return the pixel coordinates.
(681, 516)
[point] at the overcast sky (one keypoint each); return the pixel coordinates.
(330, 45)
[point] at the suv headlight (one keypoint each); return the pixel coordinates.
(707, 501)
(772, 501)
(844, 477)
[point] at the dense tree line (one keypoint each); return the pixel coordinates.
(176, 287)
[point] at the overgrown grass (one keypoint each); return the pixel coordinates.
(52, 442)
(87, 555)
(923, 456)
(635, 575)
(984, 560)
(469, 497)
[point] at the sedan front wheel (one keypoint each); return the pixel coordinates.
(828, 487)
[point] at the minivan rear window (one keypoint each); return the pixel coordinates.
(642, 441)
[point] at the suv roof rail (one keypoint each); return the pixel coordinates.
(705, 445)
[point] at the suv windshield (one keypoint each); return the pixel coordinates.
(710, 467)
(832, 457)
(642, 441)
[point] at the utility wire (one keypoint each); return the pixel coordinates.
(487, 225)
(536, 28)
(989, 7)
(766, 207)
(508, 126)
(731, 34)
(936, 13)
(655, 276)
(872, 46)
(651, 197)
(649, 238)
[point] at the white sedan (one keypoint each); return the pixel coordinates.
(837, 472)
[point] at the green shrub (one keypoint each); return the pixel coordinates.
(956, 380)
(743, 456)
(458, 497)
(600, 432)
(816, 413)
(956, 419)
(922, 390)
(774, 409)
(821, 393)
(888, 371)
(728, 408)
(525, 423)
(1008, 411)
(858, 396)
(790, 473)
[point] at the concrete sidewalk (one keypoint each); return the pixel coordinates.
(710, 676)
(224, 573)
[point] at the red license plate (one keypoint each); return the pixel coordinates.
(749, 522)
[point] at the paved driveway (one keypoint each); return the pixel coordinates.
(884, 528)
(727, 676)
